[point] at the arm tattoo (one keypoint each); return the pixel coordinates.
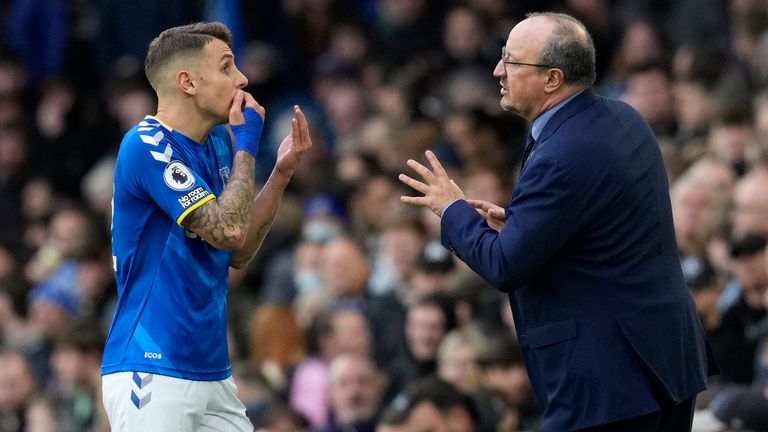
(241, 258)
(222, 221)
(266, 205)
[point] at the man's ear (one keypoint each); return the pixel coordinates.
(185, 81)
(555, 80)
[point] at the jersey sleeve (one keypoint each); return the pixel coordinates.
(158, 173)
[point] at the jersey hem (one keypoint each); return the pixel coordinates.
(194, 376)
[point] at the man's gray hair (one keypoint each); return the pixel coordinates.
(570, 48)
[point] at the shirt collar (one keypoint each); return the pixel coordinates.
(541, 121)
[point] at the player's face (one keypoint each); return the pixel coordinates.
(219, 80)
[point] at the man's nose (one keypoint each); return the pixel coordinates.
(242, 80)
(498, 71)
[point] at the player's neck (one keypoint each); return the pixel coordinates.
(188, 122)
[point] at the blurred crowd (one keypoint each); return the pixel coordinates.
(353, 317)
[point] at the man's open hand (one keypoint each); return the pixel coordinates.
(294, 146)
(438, 189)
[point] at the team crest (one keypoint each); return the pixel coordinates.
(224, 171)
(178, 177)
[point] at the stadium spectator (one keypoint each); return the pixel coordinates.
(750, 204)
(338, 332)
(426, 323)
(356, 390)
(18, 388)
(429, 404)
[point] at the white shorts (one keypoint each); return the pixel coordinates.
(142, 402)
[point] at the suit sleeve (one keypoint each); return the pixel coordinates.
(543, 215)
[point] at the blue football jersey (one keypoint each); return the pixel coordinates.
(171, 315)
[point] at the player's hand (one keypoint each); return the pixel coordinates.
(438, 189)
(247, 123)
(494, 215)
(240, 103)
(294, 146)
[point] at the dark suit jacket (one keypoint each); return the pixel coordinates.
(589, 259)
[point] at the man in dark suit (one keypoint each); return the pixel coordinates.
(585, 249)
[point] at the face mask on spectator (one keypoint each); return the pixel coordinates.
(319, 231)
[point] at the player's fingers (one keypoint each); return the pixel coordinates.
(303, 126)
(250, 102)
(419, 186)
(295, 139)
(297, 130)
(235, 111)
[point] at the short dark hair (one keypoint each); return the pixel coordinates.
(748, 245)
(431, 389)
(181, 40)
(569, 51)
(503, 351)
(440, 301)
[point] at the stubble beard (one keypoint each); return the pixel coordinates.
(507, 107)
(506, 104)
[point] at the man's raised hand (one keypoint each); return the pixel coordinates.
(438, 189)
(247, 123)
(294, 146)
(242, 101)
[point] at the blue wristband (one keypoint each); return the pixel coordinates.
(247, 135)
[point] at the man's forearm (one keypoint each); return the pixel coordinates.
(265, 208)
(225, 223)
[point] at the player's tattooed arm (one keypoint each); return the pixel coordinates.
(289, 155)
(224, 222)
(265, 209)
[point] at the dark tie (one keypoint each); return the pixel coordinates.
(528, 149)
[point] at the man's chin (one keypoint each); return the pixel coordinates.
(505, 106)
(510, 109)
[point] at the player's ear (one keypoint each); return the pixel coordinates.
(186, 83)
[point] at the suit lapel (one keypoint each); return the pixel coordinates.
(582, 101)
